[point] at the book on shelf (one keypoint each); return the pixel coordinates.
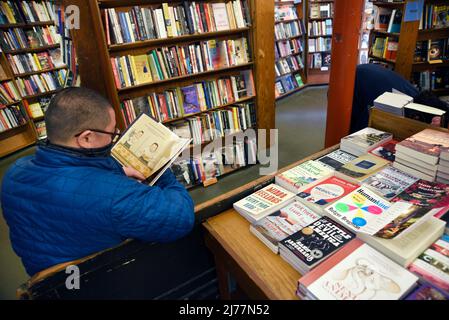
(386, 151)
(142, 23)
(302, 175)
(38, 36)
(361, 168)
(323, 193)
(9, 93)
(357, 272)
(336, 159)
(177, 61)
(15, 12)
(41, 83)
(263, 202)
(434, 17)
(41, 130)
(432, 266)
(320, 44)
(3, 75)
(389, 182)
(283, 223)
(313, 244)
(288, 47)
(364, 141)
(34, 109)
(149, 147)
(286, 30)
(406, 248)
(11, 117)
(427, 292)
(285, 12)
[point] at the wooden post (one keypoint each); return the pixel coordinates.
(263, 37)
(345, 40)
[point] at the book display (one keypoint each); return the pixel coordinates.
(415, 49)
(189, 65)
(34, 65)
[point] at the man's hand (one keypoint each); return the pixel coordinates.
(134, 174)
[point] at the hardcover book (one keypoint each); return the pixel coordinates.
(302, 175)
(389, 182)
(283, 223)
(336, 159)
(361, 211)
(361, 168)
(358, 272)
(191, 103)
(314, 243)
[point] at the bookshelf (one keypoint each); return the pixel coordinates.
(411, 45)
(319, 14)
(31, 57)
(289, 48)
(103, 45)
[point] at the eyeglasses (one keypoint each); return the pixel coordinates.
(115, 135)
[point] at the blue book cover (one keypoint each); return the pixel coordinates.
(191, 103)
(124, 27)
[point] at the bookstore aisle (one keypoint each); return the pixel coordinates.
(311, 119)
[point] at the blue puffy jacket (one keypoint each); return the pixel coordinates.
(61, 206)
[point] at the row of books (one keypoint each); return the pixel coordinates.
(286, 30)
(31, 62)
(320, 28)
(8, 93)
(40, 83)
(145, 23)
(201, 168)
(183, 101)
(434, 16)
(216, 124)
(17, 38)
(285, 12)
(320, 44)
(168, 62)
(320, 61)
(388, 20)
(25, 11)
(385, 48)
(11, 117)
(288, 65)
(432, 51)
(315, 211)
(321, 10)
(288, 47)
(287, 83)
(431, 80)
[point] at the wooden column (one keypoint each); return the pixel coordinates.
(345, 40)
(263, 37)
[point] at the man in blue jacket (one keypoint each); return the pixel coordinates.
(72, 199)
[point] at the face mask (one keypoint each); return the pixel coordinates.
(102, 152)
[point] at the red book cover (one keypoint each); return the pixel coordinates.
(198, 12)
(386, 151)
(163, 105)
(428, 141)
(425, 194)
(116, 77)
(106, 21)
(229, 91)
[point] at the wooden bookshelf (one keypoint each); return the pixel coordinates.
(95, 53)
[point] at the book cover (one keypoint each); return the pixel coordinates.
(327, 191)
(362, 167)
(305, 173)
(427, 292)
(361, 210)
(432, 267)
(336, 159)
(428, 143)
(360, 273)
(425, 194)
(190, 97)
(317, 241)
(389, 182)
(285, 222)
(366, 139)
(183, 173)
(386, 151)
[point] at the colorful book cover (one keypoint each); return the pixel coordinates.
(285, 222)
(317, 241)
(304, 174)
(362, 167)
(327, 191)
(336, 159)
(367, 138)
(432, 267)
(428, 141)
(191, 103)
(428, 292)
(441, 246)
(359, 272)
(361, 210)
(386, 151)
(425, 194)
(389, 182)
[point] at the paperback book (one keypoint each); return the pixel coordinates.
(432, 267)
(364, 140)
(361, 168)
(336, 159)
(386, 151)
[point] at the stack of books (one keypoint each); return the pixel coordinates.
(419, 154)
(364, 141)
(392, 103)
(443, 167)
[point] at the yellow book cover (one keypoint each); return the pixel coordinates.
(167, 19)
(236, 119)
(36, 110)
(8, 12)
(36, 60)
(141, 68)
(179, 99)
(231, 15)
(124, 68)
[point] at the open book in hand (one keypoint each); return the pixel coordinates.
(149, 147)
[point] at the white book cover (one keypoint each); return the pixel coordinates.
(433, 267)
(220, 16)
(365, 274)
(392, 100)
(361, 211)
(367, 138)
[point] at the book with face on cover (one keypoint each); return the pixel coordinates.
(300, 176)
(389, 182)
(149, 147)
(361, 168)
(358, 272)
(263, 202)
(336, 159)
(283, 223)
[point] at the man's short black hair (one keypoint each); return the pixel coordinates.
(74, 110)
